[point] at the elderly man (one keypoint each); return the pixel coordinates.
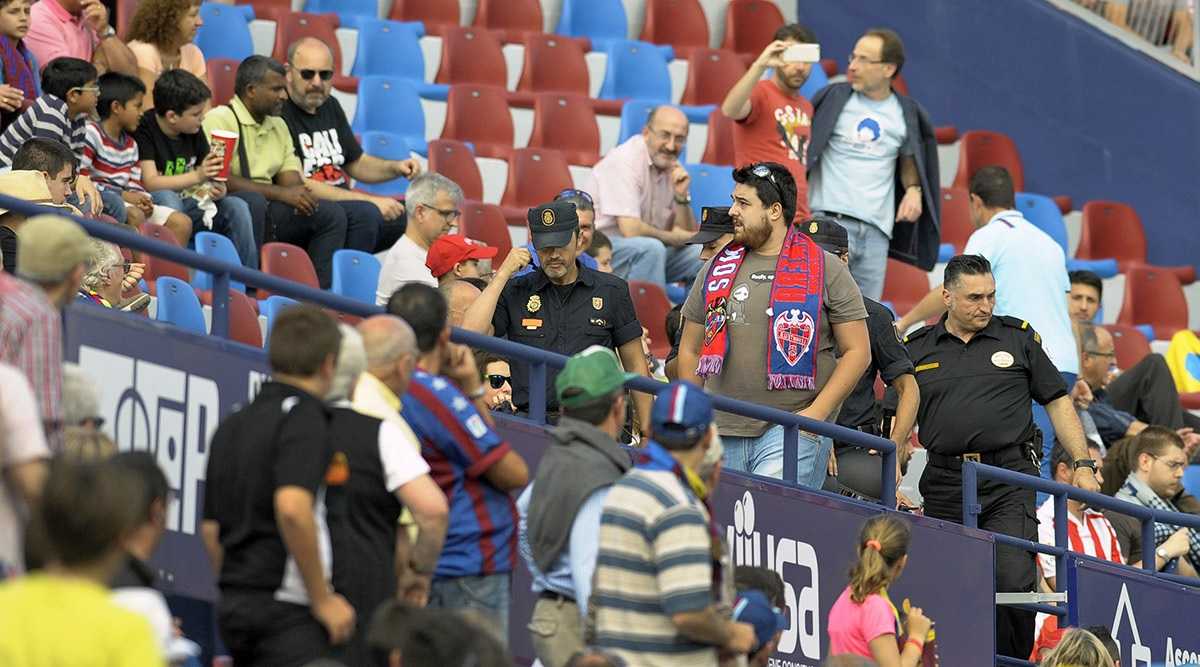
(330, 154)
(644, 205)
(434, 205)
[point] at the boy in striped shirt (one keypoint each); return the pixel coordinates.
(110, 157)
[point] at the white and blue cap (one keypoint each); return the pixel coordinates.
(681, 414)
(753, 607)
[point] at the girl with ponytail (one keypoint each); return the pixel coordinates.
(863, 621)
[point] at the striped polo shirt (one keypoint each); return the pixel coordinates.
(112, 164)
(46, 118)
(654, 562)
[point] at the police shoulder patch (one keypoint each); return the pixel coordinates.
(917, 334)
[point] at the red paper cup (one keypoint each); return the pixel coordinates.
(225, 142)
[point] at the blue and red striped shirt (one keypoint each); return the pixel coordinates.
(460, 447)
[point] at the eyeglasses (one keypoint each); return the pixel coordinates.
(86, 89)
(1171, 465)
(1097, 353)
(572, 192)
(497, 380)
(308, 74)
(664, 135)
(763, 171)
(863, 60)
(450, 214)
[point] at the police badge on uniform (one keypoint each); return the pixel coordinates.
(534, 304)
(598, 303)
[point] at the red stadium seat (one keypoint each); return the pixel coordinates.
(472, 55)
(293, 26)
(511, 20)
(485, 223)
(243, 317)
(222, 73)
(956, 218)
(535, 176)
(711, 73)
(719, 149)
(1112, 229)
(1129, 343)
(1153, 296)
(904, 286)
(556, 64)
(984, 148)
(287, 261)
(479, 114)
(680, 23)
(454, 160)
(566, 123)
(651, 304)
(437, 15)
(157, 267)
(270, 10)
(900, 85)
(750, 25)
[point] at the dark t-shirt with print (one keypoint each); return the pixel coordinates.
(324, 141)
(171, 156)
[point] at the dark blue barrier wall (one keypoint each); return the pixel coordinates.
(1091, 117)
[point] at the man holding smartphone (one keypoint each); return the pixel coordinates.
(774, 121)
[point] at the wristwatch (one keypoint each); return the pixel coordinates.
(478, 393)
(684, 200)
(1084, 463)
(108, 31)
(1162, 553)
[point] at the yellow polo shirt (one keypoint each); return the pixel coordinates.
(268, 144)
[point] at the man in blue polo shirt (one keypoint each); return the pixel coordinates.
(474, 467)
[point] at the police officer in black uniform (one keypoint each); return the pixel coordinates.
(561, 307)
(978, 375)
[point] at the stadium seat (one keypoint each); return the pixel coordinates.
(956, 222)
(226, 32)
(271, 10)
(284, 260)
(985, 148)
(178, 304)
(634, 115)
(510, 20)
(479, 115)
(1045, 215)
(719, 148)
(485, 223)
(636, 70)
(1154, 296)
(349, 12)
(355, 275)
(904, 285)
(243, 318)
(222, 74)
(535, 176)
(1129, 343)
(272, 306)
(392, 48)
(1191, 479)
(217, 246)
(711, 73)
(817, 79)
(295, 25)
(750, 25)
(389, 147)
(711, 186)
(557, 65)
(472, 55)
(651, 304)
(157, 267)
(454, 160)
(566, 123)
(601, 21)
(437, 15)
(390, 104)
(1113, 229)
(679, 23)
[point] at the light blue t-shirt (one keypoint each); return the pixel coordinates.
(856, 175)
(571, 573)
(1031, 281)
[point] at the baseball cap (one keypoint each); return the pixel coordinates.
(681, 413)
(552, 225)
(592, 373)
(753, 607)
(49, 247)
(714, 223)
(448, 250)
(827, 233)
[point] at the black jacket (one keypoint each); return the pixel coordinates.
(911, 243)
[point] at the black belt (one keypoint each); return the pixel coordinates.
(995, 457)
(842, 216)
(555, 597)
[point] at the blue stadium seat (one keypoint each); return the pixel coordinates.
(272, 306)
(1191, 479)
(1046, 216)
(355, 275)
(349, 12)
(816, 81)
(393, 48)
(602, 21)
(178, 304)
(633, 117)
(226, 31)
(711, 185)
(639, 70)
(390, 104)
(389, 147)
(211, 244)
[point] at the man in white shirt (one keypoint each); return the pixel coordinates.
(434, 204)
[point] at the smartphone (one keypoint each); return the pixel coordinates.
(802, 53)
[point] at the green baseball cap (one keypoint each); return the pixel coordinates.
(594, 373)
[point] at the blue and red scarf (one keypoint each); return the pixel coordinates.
(796, 295)
(17, 71)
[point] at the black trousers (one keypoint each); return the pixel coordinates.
(320, 234)
(259, 630)
(1147, 391)
(1005, 509)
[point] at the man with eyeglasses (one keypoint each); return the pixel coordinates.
(434, 206)
(644, 204)
(873, 163)
(329, 153)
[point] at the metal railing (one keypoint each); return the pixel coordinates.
(537, 359)
(1160, 28)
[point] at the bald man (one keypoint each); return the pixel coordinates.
(644, 204)
(330, 155)
(391, 348)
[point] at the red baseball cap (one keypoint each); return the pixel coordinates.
(447, 251)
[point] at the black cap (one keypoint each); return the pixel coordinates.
(827, 233)
(551, 225)
(714, 223)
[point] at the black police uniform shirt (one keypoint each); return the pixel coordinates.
(889, 359)
(594, 310)
(172, 156)
(280, 439)
(323, 140)
(976, 396)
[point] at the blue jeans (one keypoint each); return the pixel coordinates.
(488, 595)
(868, 256)
(114, 205)
(764, 455)
(233, 221)
(649, 260)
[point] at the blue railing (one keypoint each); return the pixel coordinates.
(538, 360)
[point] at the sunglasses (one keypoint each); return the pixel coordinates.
(308, 74)
(497, 380)
(572, 192)
(763, 171)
